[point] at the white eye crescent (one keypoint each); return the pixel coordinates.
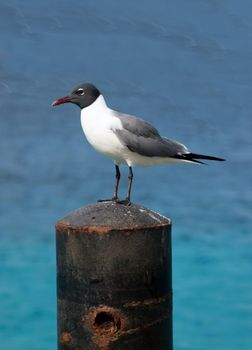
(80, 92)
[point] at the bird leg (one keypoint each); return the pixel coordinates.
(130, 177)
(127, 199)
(118, 175)
(115, 196)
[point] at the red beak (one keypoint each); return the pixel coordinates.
(61, 100)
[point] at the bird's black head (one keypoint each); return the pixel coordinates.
(83, 96)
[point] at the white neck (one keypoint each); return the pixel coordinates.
(99, 105)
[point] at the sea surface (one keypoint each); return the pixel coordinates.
(185, 66)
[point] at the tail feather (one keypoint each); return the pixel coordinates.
(193, 157)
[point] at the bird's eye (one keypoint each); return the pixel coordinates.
(80, 92)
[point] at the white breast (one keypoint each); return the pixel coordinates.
(98, 122)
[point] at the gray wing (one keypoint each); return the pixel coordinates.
(142, 138)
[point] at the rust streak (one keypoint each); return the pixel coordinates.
(64, 226)
(65, 338)
(153, 301)
(147, 325)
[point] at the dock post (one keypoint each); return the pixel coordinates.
(114, 279)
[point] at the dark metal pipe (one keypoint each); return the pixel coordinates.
(114, 279)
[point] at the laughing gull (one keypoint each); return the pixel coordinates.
(125, 138)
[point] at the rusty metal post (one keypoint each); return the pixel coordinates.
(114, 279)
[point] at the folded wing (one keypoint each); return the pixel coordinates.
(142, 138)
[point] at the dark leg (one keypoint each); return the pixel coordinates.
(130, 177)
(127, 199)
(115, 196)
(118, 175)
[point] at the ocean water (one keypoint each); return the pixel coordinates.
(184, 66)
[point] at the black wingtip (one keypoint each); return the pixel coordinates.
(202, 156)
(194, 157)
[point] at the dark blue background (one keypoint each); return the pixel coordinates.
(184, 66)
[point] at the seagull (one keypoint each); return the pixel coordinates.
(124, 138)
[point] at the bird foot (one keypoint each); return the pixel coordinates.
(126, 202)
(107, 200)
(116, 200)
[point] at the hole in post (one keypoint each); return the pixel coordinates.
(106, 323)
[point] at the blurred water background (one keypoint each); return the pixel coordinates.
(186, 67)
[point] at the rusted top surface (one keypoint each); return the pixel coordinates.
(107, 216)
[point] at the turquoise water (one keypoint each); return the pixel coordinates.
(184, 66)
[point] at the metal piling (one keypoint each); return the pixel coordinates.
(114, 279)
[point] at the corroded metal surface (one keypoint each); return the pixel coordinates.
(107, 216)
(114, 281)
